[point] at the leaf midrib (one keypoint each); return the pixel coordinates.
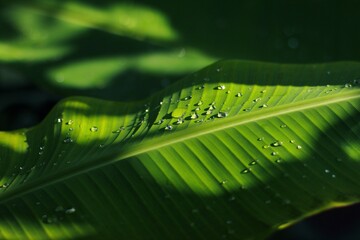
(175, 137)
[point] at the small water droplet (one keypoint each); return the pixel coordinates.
(246, 170)
(223, 182)
(260, 139)
(194, 116)
(264, 105)
(327, 171)
(253, 163)
(256, 100)
(263, 91)
(222, 114)
(278, 160)
(168, 128)
(239, 94)
(277, 143)
(247, 109)
(186, 98)
(41, 153)
(70, 122)
(179, 121)
(101, 145)
(59, 120)
(274, 153)
(208, 112)
(221, 87)
(265, 146)
(299, 147)
(199, 103)
(228, 92)
(70, 210)
(68, 140)
(200, 87)
(333, 176)
(283, 125)
(292, 141)
(348, 85)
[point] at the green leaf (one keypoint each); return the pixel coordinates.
(237, 150)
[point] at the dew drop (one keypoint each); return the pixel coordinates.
(264, 105)
(208, 112)
(194, 116)
(168, 128)
(68, 140)
(221, 87)
(228, 92)
(94, 129)
(101, 145)
(292, 141)
(199, 103)
(274, 153)
(253, 163)
(70, 122)
(59, 120)
(247, 110)
(256, 100)
(222, 114)
(70, 210)
(238, 94)
(333, 176)
(223, 182)
(246, 170)
(70, 129)
(160, 121)
(348, 85)
(179, 121)
(265, 146)
(260, 139)
(263, 91)
(277, 143)
(327, 171)
(283, 125)
(186, 98)
(299, 147)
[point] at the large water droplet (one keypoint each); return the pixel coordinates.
(94, 129)
(277, 143)
(222, 114)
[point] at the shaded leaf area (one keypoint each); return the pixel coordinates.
(235, 151)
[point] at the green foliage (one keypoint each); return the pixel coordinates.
(213, 155)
